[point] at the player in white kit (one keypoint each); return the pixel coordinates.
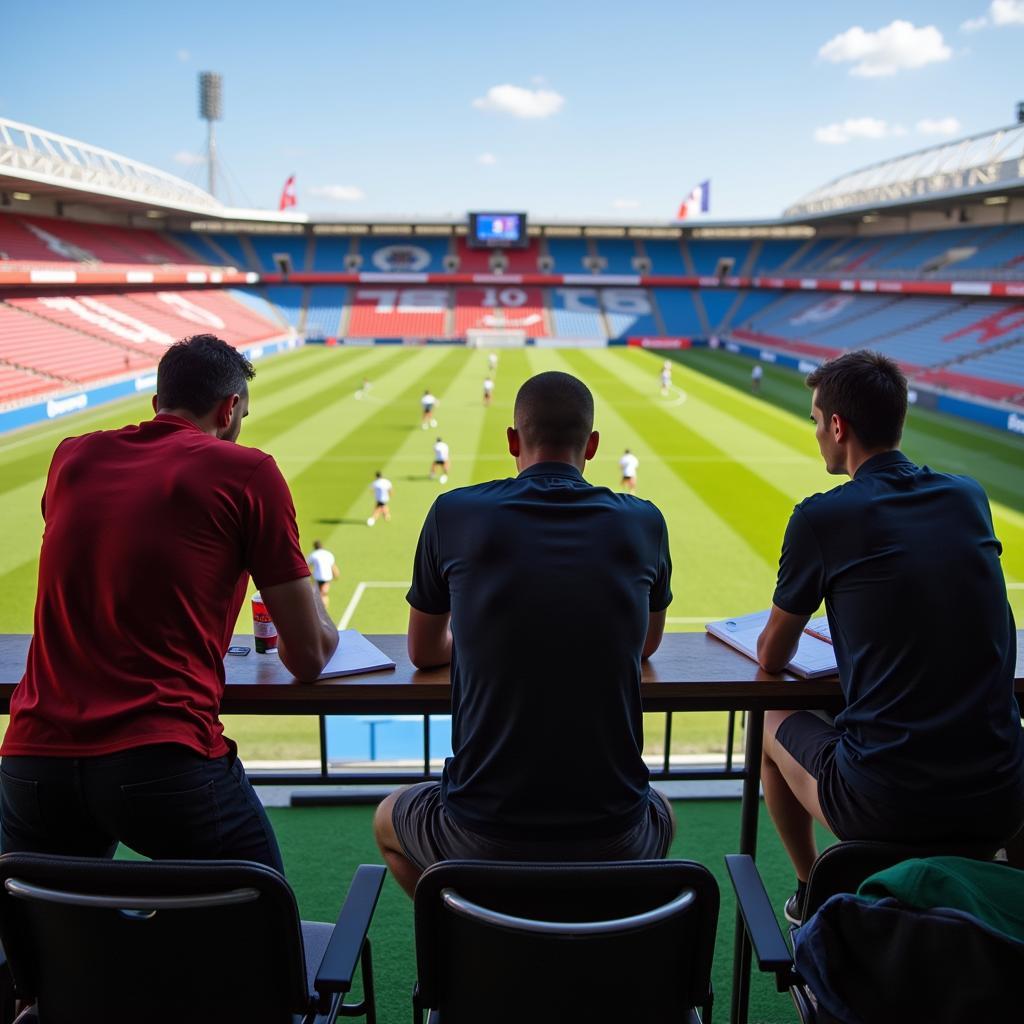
(666, 376)
(382, 488)
(440, 461)
(755, 377)
(488, 390)
(428, 401)
(492, 363)
(628, 464)
(323, 568)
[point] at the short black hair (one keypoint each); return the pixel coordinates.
(868, 390)
(554, 410)
(198, 372)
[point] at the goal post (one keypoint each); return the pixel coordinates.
(483, 337)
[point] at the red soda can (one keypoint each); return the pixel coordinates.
(263, 629)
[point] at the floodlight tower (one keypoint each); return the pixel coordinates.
(210, 110)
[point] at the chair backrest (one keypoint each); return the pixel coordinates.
(166, 941)
(842, 867)
(507, 942)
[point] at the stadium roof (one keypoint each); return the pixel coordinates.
(990, 162)
(42, 163)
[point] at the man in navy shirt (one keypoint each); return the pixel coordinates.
(544, 593)
(928, 747)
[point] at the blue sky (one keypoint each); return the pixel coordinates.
(405, 108)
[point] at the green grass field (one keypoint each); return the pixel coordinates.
(725, 467)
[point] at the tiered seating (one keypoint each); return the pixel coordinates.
(323, 316)
(254, 299)
(389, 312)
(774, 254)
(956, 331)
(998, 390)
(1004, 364)
(867, 318)
(716, 304)
(93, 314)
(815, 253)
(35, 344)
(237, 255)
(618, 254)
(706, 254)
(576, 313)
(678, 312)
(629, 312)
(292, 246)
(287, 298)
(200, 245)
(477, 261)
(754, 303)
(16, 385)
(1001, 249)
(196, 312)
(569, 254)
(925, 248)
(666, 257)
(510, 308)
(396, 254)
(329, 253)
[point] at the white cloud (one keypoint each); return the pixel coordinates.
(897, 47)
(841, 132)
(1000, 12)
(625, 204)
(339, 193)
(938, 126)
(184, 56)
(520, 102)
(187, 159)
(487, 159)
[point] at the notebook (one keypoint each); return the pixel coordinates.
(355, 654)
(815, 655)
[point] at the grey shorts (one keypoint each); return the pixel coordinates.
(428, 835)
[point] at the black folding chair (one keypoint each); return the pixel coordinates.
(840, 869)
(503, 942)
(173, 941)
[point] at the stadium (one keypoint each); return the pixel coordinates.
(105, 262)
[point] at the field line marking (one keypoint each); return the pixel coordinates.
(677, 401)
(357, 596)
(1015, 586)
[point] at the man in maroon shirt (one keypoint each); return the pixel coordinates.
(151, 534)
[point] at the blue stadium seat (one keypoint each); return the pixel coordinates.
(666, 257)
(323, 315)
(717, 302)
(293, 246)
(678, 312)
(629, 312)
(384, 254)
(288, 299)
(330, 252)
(706, 254)
(618, 254)
(568, 254)
(575, 313)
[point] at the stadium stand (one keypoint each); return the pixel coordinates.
(32, 343)
(751, 304)
(17, 384)
(323, 314)
(706, 255)
(678, 312)
(775, 254)
(256, 300)
(269, 248)
(568, 255)
(403, 254)
(288, 300)
(576, 313)
(666, 257)
(629, 312)
(510, 308)
(389, 312)
(478, 261)
(1002, 251)
(618, 254)
(717, 304)
(201, 248)
(329, 253)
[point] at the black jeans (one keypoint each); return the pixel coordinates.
(163, 801)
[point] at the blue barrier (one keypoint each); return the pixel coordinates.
(89, 398)
(386, 737)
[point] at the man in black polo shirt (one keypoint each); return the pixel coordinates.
(929, 745)
(544, 593)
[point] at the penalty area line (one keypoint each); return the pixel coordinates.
(357, 596)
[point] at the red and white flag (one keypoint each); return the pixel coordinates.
(288, 196)
(698, 201)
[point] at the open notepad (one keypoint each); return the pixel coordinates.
(815, 655)
(355, 654)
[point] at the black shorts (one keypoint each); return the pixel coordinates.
(439, 462)
(852, 814)
(322, 583)
(382, 504)
(428, 834)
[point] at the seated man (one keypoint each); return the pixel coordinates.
(929, 745)
(544, 593)
(151, 532)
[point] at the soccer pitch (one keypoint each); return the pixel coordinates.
(724, 466)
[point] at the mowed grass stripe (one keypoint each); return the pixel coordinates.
(783, 461)
(382, 432)
(752, 508)
(493, 461)
(700, 586)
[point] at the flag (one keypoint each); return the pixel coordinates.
(288, 197)
(698, 201)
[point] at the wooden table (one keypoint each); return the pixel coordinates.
(690, 672)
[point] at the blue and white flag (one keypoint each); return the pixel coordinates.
(698, 201)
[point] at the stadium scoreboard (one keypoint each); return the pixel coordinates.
(497, 231)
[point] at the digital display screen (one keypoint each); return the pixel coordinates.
(497, 230)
